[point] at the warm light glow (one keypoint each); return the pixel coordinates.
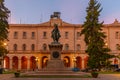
(5, 44)
(74, 58)
(37, 59)
(106, 44)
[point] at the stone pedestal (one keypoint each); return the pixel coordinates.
(55, 63)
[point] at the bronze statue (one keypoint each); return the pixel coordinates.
(55, 33)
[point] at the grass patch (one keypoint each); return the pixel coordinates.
(109, 72)
(8, 72)
(55, 76)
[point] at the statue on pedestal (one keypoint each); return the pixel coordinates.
(55, 33)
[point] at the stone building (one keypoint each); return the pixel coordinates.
(28, 44)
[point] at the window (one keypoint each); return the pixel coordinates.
(66, 47)
(15, 35)
(24, 47)
(78, 35)
(117, 35)
(44, 35)
(117, 47)
(44, 47)
(78, 47)
(15, 47)
(24, 35)
(33, 47)
(33, 35)
(66, 35)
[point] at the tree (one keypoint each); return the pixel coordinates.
(4, 26)
(94, 37)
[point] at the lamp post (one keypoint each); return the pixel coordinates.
(74, 61)
(37, 59)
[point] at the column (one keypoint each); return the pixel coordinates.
(19, 64)
(11, 63)
(83, 63)
(28, 64)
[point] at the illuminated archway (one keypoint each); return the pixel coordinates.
(6, 62)
(44, 61)
(85, 61)
(115, 61)
(79, 62)
(23, 62)
(66, 60)
(15, 62)
(32, 63)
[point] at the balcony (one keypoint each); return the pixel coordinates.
(45, 51)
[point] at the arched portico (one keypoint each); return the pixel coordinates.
(32, 63)
(66, 60)
(6, 62)
(15, 62)
(44, 61)
(79, 62)
(24, 63)
(85, 61)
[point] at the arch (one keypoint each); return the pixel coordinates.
(66, 60)
(32, 63)
(23, 62)
(66, 46)
(78, 47)
(85, 61)
(15, 47)
(44, 47)
(44, 61)
(79, 62)
(33, 47)
(6, 62)
(15, 62)
(115, 61)
(24, 47)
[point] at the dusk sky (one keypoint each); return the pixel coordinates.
(72, 11)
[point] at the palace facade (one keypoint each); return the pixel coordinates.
(28, 44)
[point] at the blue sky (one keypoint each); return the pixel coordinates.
(72, 11)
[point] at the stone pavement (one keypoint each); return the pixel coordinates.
(101, 77)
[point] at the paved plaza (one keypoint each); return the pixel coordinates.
(101, 77)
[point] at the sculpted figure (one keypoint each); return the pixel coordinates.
(55, 33)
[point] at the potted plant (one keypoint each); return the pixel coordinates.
(17, 73)
(94, 74)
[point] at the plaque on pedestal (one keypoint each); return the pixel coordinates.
(55, 61)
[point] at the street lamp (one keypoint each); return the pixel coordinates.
(36, 59)
(74, 60)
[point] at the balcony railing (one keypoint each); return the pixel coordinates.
(46, 51)
(63, 51)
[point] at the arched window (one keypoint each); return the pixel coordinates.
(33, 35)
(24, 35)
(15, 47)
(66, 47)
(44, 47)
(117, 35)
(117, 47)
(78, 35)
(15, 35)
(66, 35)
(24, 47)
(78, 47)
(33, 47)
